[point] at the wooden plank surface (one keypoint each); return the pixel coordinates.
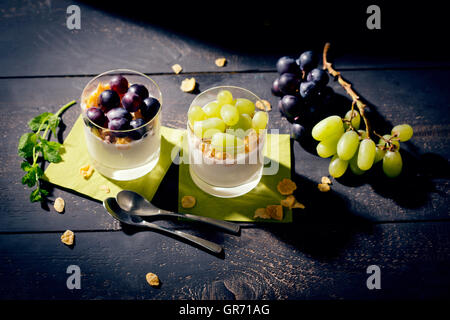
(298, 262)
(422, 194)
(35, 40)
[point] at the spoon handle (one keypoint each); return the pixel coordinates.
(211, 246)
(224, 225)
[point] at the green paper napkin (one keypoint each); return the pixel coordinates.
(242, 208)
(66, 173)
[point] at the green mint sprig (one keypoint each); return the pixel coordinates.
(33, 145)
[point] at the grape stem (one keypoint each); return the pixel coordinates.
(347, 86)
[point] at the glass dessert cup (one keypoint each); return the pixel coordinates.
(233, 169)
(122, 154)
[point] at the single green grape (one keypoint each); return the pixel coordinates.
(379, 154)
(245, 106)
(356, 121)
(224, 97)
(208, 127)
(328, 147)
(212, 109)
(259, 121)
(402, 131)
(347, 145)
(229, 114)
(196, 113)
(226, 142)
(366, 154)
(392, 164)
(353, 164)
(337, 167)
(244, 123)
(328, 127)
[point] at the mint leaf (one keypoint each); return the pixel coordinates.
(35, 195)
(53, 123)
(36, 122)
(50, 150)
(26, 144)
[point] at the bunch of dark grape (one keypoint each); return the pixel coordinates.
(303, 90)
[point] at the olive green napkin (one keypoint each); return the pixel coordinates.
(242, 208)
(66, 173)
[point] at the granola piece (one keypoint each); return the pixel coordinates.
(263, 105)
(298, 205)
(177, 68)
(124, 140)
(275, 211)
(152, 279)
(323, 187)
(286, 187)
(86, 171)
(68, 237)
(261, 213)
(288, 202)
(220, 62)
(59, 204)
(188, 202)
(188, 85)
(326, 180)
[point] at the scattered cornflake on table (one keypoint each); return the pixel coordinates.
(86, 171)
(220, 62)
(261, 213)
(59, 204)
(323, 187)
(275, 211)
(68, 237)
(177, 68)
(298, 205)
(188, 85)
(188, 202)
(288, 202)
(286, 187)
(263, 105)
(105, 188)
(152, 279)
(326, 180)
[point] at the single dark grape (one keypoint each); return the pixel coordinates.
(291, 106)
(140, 90)
(288, 83)
(119, 124)
(308, 89)
(96, 115)
(137, 123)
(297, 131)
(318, 76)
(109, 99)
(131, 101)
(276, 88)
(307, 61)
(287, 65)
(119, 84)
(149, 108)
(118, 113)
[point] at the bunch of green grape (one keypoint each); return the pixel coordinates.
(348, 146)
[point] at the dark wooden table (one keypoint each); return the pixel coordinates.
(400, 225)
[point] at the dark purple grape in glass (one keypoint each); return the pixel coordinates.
(118, 113)
(140, 90)
(150, 108)
(119, 124)
(288, 83)
(109, 99)
(287, 65)
(131, 101)
(307, 61)
(96, 115)
(138, 133)
(291, 106)
(119, 84)
(276, 88)
(308, 89)
(318, 76)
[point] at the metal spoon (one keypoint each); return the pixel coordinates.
(117, 213)
(136, 204)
